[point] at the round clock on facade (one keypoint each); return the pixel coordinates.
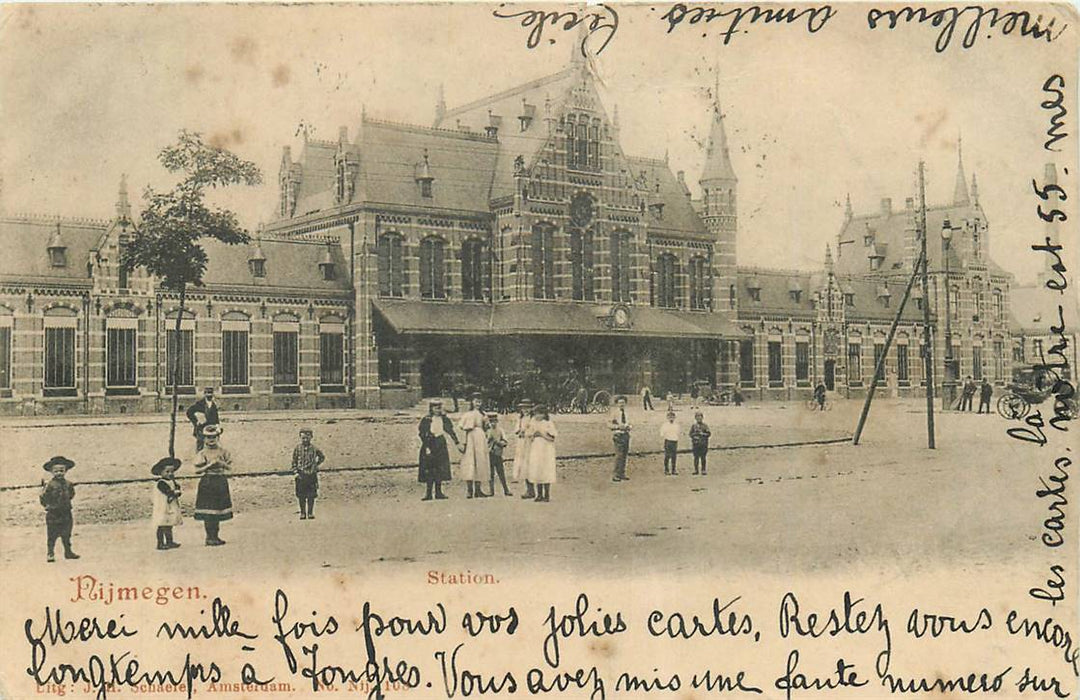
(621, 317)
(581, 210)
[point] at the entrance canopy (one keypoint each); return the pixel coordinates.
(546, 318)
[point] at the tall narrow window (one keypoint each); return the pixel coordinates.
(571, 141)
(121, 267)
(903, 372)
(802, 362)
(666, 291)
(120, 354)
(474, 270)
(731, 296)
(776, 366)
(879, 350)
(746, 362)
(977, 362)
(5, 352)
(620, 266)
(999, 360)
(234, 356)
(543, 261)
(59, 357)
(581, 264)
(854, 362)
(286, 375)
(179, 356)
(332, 358)
(999, 305)
(391, 266)
(432, 268)
(699, 283)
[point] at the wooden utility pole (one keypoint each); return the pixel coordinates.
(928, 340)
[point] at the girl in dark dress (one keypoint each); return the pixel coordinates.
(213, 502)
(435, 428)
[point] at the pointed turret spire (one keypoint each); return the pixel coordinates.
(849, 214)
(123, 206)
(717, 158)
(960, 194)
(974, 190)
(828, 259)
(440, 105)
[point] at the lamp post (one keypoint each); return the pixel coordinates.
(948, 395)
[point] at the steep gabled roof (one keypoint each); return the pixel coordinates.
(679, 219)
(291, 264)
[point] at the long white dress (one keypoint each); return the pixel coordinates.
(475, 465)
(520, 469)
(542, 452)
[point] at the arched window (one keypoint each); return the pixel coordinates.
(475, 276)
(581, 264)
(391, 265)
(700, 297)
(665, 292)
(620, 266)
(432, 268)
(543, 261)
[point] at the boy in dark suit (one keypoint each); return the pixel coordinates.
(56, 498)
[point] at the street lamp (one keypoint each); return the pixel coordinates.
(950, 367)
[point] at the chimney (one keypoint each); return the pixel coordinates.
(886, 206)
(909, 204)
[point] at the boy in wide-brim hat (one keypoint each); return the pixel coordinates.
(496, 440)
(56, 498)
(306, 459)
(166, 501)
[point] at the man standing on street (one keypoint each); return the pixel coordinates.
(985, 392)
(968, 394)
(620, 435)
(202, 413)
(646, 398)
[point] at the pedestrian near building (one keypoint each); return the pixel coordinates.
(435, 429)
(669, 433)
(165, 499)
(985, 393)
(699, 443)
(475, 467)
(496, 440)
(620, 436)
(55, 498)
(202, 413)
(521, 448)
(542, 454)
(819, 396)
(213, 501)
(646, 398)
(306, 460)
(968, 394)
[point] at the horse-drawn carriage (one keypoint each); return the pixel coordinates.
(1032, 386)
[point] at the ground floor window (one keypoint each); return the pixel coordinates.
(903, 373)
(776, 365)
(286, 366)
(976, 363)
(879, 351)
(59, 361)
(121, 357)
(390, 365)
(999, 360)
(331, 361)
(5, 357)
(180, 350)
(854, 363)
(746, 362)
(234, 360)
(802, 362)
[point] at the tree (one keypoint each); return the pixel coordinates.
(166, 242)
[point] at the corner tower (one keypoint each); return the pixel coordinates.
(719, 210)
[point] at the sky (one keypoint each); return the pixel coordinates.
(88, 93)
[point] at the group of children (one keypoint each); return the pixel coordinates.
(213, 499)
(483, 447)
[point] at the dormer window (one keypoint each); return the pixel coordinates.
(57, 249)
(875, 263)
(884, 295)
(257, 262)
(424, 178)
(849, 296)
(528, 113)
(327, 265)
(753, 287)
(795, 291)
(868, 239)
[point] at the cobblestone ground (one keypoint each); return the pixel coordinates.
(887, 500)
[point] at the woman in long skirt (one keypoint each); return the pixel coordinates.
(213, 502)
(435, 429)
(475, 465)
(542, 453)
(520, 470)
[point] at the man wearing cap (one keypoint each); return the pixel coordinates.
(202, 413)
(56, 498)
(434, 429)
(475, 466)
(620, 436)
(306, 459)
